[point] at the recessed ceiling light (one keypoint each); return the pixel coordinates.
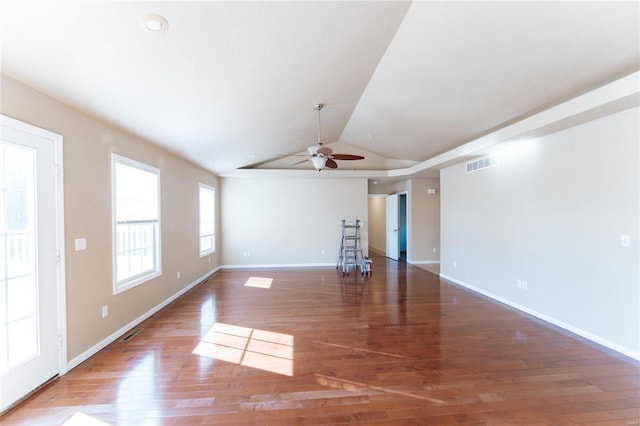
(154, 23)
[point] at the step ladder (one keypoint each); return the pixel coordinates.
(351, 256)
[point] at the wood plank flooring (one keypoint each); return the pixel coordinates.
(401, 347)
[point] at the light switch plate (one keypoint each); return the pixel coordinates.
(81, 244)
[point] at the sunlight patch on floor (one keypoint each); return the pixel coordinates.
(81, 419)
(260, 349)
(259, 282)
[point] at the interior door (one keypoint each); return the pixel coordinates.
(393, 226)
(29, 354)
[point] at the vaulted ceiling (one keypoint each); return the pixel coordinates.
(232, 85)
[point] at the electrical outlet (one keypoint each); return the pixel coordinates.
(519, 283)
(322, 252)
(524, 285)
(105, 311)
(209, 259)
(435, 249)
(178, 275)
(455, 263)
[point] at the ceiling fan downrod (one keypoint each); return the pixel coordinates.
(318, 108)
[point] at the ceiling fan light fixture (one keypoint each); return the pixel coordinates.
(319, 162)
(322, 156)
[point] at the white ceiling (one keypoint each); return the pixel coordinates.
(233, 84)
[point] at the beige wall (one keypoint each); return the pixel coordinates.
(424, 221)
(378, 223)
(288, 221)
(552, 214)
(87, 146)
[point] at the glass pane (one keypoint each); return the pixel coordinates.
(18, 166)
(135, 263)
(21, 292)
(137, 194)
(206, 243)
(123, 266)
(19, 205)
(206, 227)
(18, 273)
(4, 348)
(3, 258)
(20, 255)
(3, 304)
(20, 341)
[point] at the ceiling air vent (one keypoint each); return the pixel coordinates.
(482, 163)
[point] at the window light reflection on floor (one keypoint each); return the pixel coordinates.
(81, 419)
(260, 349)
(259, 282)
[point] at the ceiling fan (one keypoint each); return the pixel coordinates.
(323, 156)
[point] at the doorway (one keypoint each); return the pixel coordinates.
(402, 226)
(396, 226)
(31, 266)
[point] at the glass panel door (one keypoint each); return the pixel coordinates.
(29, 284)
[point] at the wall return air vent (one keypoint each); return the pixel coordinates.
(482, 163)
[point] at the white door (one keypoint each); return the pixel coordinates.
(393, 228)
(29, 354)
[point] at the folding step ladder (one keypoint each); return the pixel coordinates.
(350, 256)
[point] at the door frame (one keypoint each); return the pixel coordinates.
(61, 305)
(403, 223)
(402, 195)
(392, 234)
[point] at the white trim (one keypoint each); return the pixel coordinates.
(279, 265)
(424, 262)
(57, 141)
(60, 236)
(575, 330)
(104, 342)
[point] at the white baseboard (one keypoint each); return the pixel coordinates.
(568, 327)
(424, 262)
(103, 343)
(279, 265)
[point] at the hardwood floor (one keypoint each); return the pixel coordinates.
(401, 347)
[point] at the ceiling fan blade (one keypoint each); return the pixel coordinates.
(325, 151)
(300, 162)
(347, 157)
(331, 164)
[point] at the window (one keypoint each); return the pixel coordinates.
(207, 200)
(136, 222)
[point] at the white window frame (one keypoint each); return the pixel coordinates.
(135, 280)
(207, 252)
